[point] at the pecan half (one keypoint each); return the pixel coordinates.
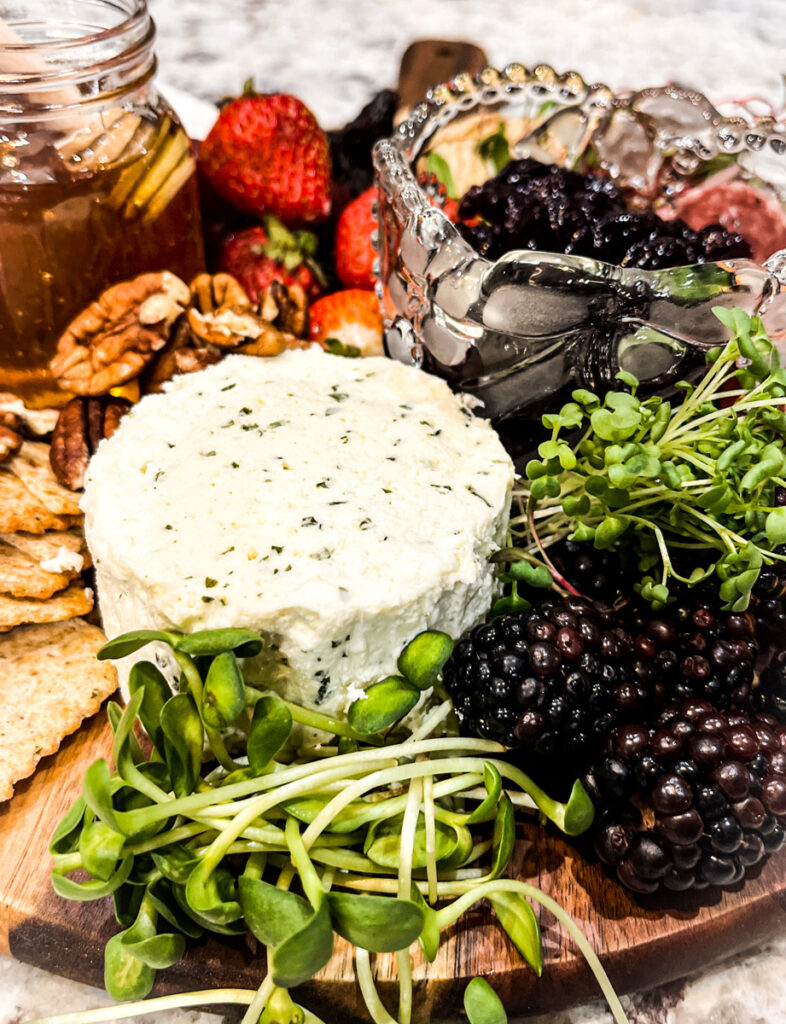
(10, 442)
(181, 355)
(271, 342)
(221, 312)
(81, 426)
(113, 340)
(226, 327)
(211, 292)
(291, 308)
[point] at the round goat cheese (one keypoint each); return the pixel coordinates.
(338, 506)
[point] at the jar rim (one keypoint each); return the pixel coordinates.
(79, 62)
(134, 11)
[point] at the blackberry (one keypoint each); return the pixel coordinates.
(530, 205)
(700, 821)
(550, 683)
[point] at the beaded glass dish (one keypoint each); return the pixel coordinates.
(521, 331)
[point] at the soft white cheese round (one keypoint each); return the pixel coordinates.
(338, 506)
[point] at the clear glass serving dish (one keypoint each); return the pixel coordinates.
(520, 331)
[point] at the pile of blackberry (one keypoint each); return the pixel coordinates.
(550, 684)
(692, 801)
(625, 699)
(530, 205)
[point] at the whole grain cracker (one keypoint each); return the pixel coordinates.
(18, 611)
(43, 546)
(31, 465)
(21, 510)
(21, 575)
(49, 682)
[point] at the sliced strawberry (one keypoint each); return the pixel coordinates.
(355, 254)
(352, 317)
(260, 255)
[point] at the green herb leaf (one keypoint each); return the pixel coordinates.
(495, 149)
(438, 166)
(533, 575)
(383, 842)
(776, 526)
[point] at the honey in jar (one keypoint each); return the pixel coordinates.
(97, 177)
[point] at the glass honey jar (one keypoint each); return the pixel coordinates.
(97, 177)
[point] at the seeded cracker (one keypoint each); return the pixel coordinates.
(49, 682)
(21, 575)
(16, 611)
(21, 510)
(43, 546)
(31, 465)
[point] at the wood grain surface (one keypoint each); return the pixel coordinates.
(641, 943)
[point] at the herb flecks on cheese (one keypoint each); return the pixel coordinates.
(337, 506)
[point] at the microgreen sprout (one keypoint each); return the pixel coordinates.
(693, 489)
(218, 823)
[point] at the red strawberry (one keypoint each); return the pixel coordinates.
(260, 255)
(355, 254)
(267, 154)
(352, 317)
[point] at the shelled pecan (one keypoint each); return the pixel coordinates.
(81, 426)
(113, 340)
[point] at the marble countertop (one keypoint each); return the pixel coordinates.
(335, 54)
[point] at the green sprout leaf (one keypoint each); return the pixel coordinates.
(504, 838)
(65, 838)
(224, 693)
(518, 919)
(422, 660)
(533, 575)
(212, 642)
(384, 704)
(429, 937)
(271, 725)
(380, 924)
(130, 643)
(183, 742)
(100, 848)
(482, 1005)
(145, 676)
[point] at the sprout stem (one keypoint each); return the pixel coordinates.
(207, 997)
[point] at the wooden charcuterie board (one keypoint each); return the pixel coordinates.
(641, 943)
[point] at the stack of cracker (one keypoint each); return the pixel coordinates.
(49, 677)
